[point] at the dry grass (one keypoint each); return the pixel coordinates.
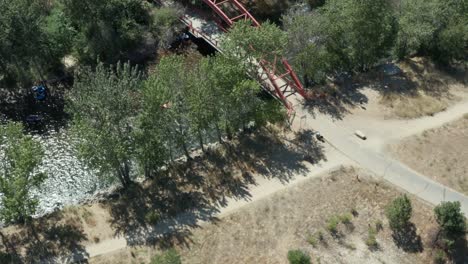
(439, 153)
(414, 106)
(421, 89)
(296, 218)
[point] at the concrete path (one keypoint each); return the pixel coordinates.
(369, 154)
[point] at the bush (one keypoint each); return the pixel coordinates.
(399, 212)
(312, 240)
(371, 241)
(332, 224)
(346, 218)
(152, 217)
(450, 218)
(439, 257)
(298, 257)
(169, 257)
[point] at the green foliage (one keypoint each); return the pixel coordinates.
(371, 240)
(399, 213)
(247, 42)
(439, 257)
(165, 21)
(415, 26)
(312, 240)
(168, 257)
(104, 104)
(20, 156)
(332, 224)
(450, 218)
(60, 33)
(298, 257)
(152, 217)
(106, 29)
(24, 49)
(346, 218)
(341, 35)
(438, 28)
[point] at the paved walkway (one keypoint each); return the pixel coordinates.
(369, 154)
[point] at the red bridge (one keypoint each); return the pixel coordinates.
(277, 77)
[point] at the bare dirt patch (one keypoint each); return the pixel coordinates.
(439, 153)
(421, 88)
(299, 218)
(409, 89)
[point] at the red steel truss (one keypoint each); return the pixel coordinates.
(281, 80)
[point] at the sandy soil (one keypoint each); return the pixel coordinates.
(439, 153)
(265, 230)
(420, 88)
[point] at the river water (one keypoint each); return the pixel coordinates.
(69, 180)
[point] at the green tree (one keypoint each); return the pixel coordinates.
(20, 157)
(298, 257)
(106, 30)
(434, 27)
(450, 218)
(399, 213)
(235, 96)
(165, 104)
(24, 51)
(451, 36)
(416, 26)
(59, 32)
(340, 35)
(165, 22)
(247, 43)
(104, 104)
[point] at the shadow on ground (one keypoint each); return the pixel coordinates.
(46, 240)
(407, 239)
(162, 211)
(390, 81)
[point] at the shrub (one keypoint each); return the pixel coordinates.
(439, 257)
(298, 257)
(399, 212)
(152, 217)
(450, 218)
(371, 241)
(332, 224)
(312, 240)
(346, 218)
(168, 257)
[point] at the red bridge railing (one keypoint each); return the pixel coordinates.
(284, 81)
(281, 81)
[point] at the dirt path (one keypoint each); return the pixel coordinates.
(349, 151)
(263, 188)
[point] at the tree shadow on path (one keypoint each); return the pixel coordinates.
(45, 240)
(163, 211)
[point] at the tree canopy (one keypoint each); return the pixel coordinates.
(104, 104)
(20, 157)
(450, 218)
(352, 35)
(399, 213)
